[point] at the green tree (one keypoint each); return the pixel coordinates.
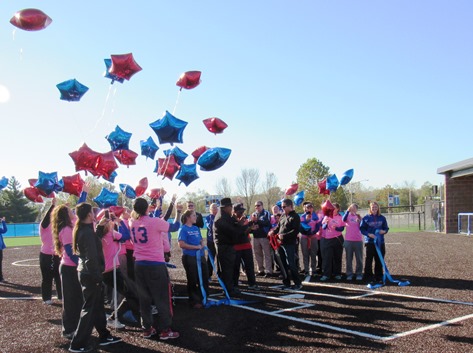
(308, 176)
(14, 206)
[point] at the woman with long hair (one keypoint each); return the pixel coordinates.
(62, 220)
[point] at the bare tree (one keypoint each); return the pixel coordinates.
(247, 185)
(271, 192)
(223, 187)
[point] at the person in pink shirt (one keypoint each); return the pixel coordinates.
(150, 238)
(353, 243)
(332, 245)
(112, 245)
(62, 223)
(48, 259)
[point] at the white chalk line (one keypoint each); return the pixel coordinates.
(19, 263)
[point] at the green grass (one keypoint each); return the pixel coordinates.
(21, 241)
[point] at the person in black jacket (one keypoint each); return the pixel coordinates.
(287, 231)
(200, 220)
(88, 247)
(226, 232)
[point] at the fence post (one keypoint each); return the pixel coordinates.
(418, 213)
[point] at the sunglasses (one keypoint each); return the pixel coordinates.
(258, 205)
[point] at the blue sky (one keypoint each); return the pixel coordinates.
(383, 87)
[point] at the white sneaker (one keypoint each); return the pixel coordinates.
(115, 324)
(48, 302)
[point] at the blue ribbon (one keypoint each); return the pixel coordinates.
(206, 303)
(386, 273)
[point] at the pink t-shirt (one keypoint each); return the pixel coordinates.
(65, 237)
(111, 246)
(353, 228)
(333, 223)
(47, 245)
(150, 238)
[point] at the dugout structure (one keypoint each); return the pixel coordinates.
(458, 191)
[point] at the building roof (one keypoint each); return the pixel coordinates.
(459, 169)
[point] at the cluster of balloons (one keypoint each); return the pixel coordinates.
(299, 197)
(47, 184)
(331, 183)
(168, 129)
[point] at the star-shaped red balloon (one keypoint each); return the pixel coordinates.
(33, 194)
(167, 167)
(73, 184)
(141, 187)
(31, 20)
(106, 165)
(292, 189)
(124, 66)
(215, 125)
(323, 187)
(85, 159)
(126, 157)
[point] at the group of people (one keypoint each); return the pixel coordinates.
(82, 250)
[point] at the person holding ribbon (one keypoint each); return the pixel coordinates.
(374, 226)
(209, 220)
(193, 259)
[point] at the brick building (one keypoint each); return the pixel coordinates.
(458, 192)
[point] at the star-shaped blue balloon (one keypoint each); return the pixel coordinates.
(148, 148)
(187, 174)
(72, 90)
(179, 155)
(332, 183)
(3, 183)
(213, 158)
(299, 198)
(128, 191)
(48, 182)
(119, 139)
(106, 198)
(169, 129)
(107, 74)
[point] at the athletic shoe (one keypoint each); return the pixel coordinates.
(260, 273)
(149, 332)
(324, 278)
(338, 277)
(254, 287)
(109, 340)
(83, 349)
(297, 287)
(359, 278)
(350, 278)
(48, 302)
(168, 334)
(112, 323)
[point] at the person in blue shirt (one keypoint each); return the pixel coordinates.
(374, 226)
(191, 242)
(3, 230)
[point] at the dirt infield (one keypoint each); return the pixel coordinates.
(433, 314)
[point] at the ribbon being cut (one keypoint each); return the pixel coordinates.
(386, 274)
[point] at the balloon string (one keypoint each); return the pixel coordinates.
(103, 110)
(177, 101)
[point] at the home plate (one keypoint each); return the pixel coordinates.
(293, 296)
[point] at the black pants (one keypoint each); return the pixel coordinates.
(1, 262)
(125, 288)
(71, 298)
(213, 252)
(49, 265)
(332, 252)
(130, 264)
(193, 283)
(92, 314)
(245, 257)
(372, 254)
(226, 260)
(288, 258)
